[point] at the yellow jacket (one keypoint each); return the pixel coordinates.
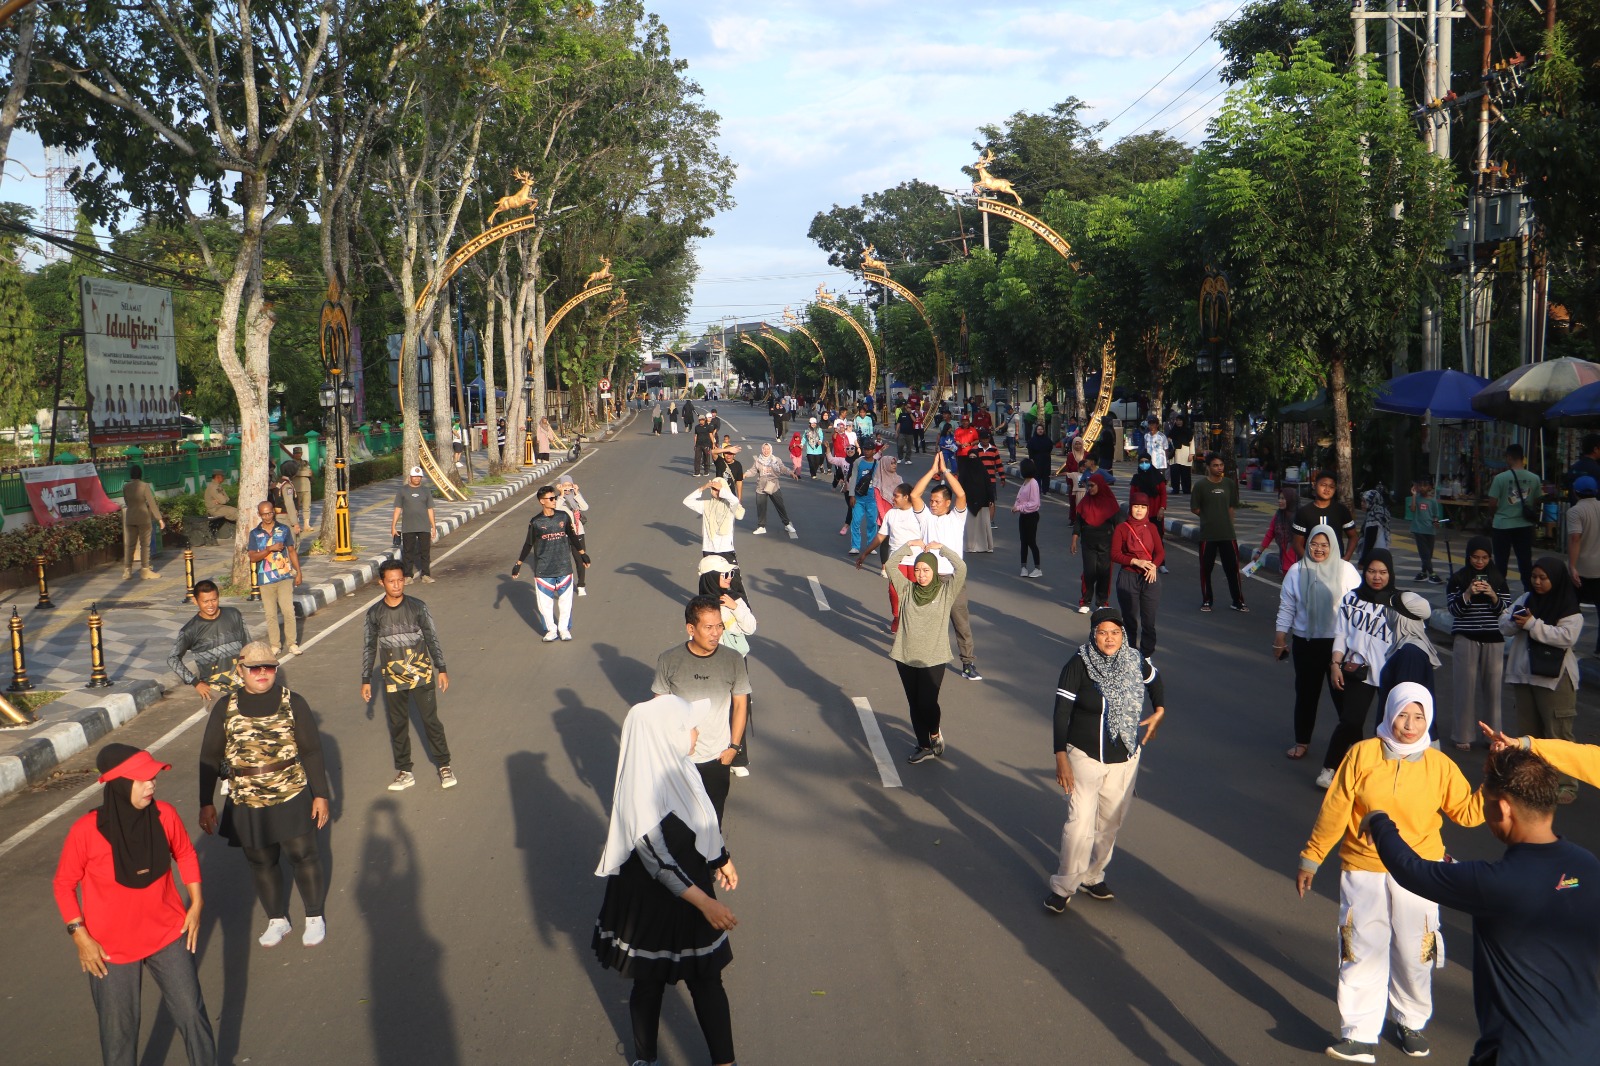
(1410, 791)
(1575, 760)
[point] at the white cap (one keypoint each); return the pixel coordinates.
(416, 471)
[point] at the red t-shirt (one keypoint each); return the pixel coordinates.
(966, 440)
(130, 923)
(982, 419)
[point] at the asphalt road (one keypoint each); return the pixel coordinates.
(877, 924)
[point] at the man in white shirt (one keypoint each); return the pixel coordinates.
(1156, 443)
(944, 521)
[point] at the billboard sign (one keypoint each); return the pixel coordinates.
(130, 363)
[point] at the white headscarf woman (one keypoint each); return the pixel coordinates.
(1401, 697)
(654, 779)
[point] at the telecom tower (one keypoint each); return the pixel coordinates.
(60, 210)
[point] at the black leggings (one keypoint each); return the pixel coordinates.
(777, 501)
(922, 697)
(710, 1008)
(1358, 697)
(308, 875)
(1311, 657)
(1028, 530)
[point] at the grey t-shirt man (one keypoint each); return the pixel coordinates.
(1583, 522)
(414, 502)
(717, 678)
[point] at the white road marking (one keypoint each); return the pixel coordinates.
(816, 590)
(39, 823)
(880, 750)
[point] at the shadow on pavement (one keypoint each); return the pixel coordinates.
(680, 535)
(591, 739)
(630, 677)
(660, 580)
(521, 596)
(410, 1013)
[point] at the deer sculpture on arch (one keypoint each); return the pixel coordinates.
(870, 263)
(523, 197)
(989, 183)
(603, 274)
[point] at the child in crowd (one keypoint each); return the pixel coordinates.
(1422, 510)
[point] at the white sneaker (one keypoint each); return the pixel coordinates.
(756, 532)
(1024, 571)
(741, 771)
(551, 637)
(1083, 608)
(277, 929)
(1325, 778)
(1036, 572)
(582, 591)
(789, 529)
(565, 634)
(316, 932)
(294, 649)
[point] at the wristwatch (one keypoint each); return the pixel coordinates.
(74, 926)
(737, 747)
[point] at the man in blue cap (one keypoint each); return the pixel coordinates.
(1583, 540)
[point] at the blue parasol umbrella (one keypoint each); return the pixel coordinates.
(1445, 394)
(1579, 408)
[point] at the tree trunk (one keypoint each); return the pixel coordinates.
(445, 370)
(17, 92)
(491, 409)
(1339, 397)
(537, 362)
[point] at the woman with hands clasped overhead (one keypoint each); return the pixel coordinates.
(1389, 939)
(1098, 741)
(661, 921)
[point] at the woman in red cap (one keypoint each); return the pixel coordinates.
(114, 888)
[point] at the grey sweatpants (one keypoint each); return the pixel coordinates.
(1476, 677)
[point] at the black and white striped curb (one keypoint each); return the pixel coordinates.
(32, 761)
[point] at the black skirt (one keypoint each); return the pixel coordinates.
(260, 827)
(644, 932)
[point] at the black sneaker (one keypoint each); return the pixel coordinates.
(1411, 1041)
(970, 672)
(1423, 576)
(1241, 608)
(1100, 891)
(920, 755)
(1055, 904)
(1348, 1050)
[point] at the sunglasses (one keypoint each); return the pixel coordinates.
(267, 669)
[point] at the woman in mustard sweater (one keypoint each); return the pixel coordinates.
(1389, 939)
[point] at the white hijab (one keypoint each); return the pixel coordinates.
(1402, 696)
(654, 779)
(722, 507)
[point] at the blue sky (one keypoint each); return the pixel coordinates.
(822, 103)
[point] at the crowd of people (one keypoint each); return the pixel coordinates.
(1343, 621)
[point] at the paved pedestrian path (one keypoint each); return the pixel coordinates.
(141, 620)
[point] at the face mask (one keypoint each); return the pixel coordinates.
(1144, 466)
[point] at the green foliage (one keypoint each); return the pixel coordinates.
(18, 340)
(20, 547)
(1278, 27)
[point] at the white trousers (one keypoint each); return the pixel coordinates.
(1101, 796)
(1389, 944)
(555, 602)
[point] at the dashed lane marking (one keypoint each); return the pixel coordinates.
(816, 590)
(880, 750)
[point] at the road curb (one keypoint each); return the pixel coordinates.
(74, 732)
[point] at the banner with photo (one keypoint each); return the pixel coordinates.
(130, 363)
(65, 493)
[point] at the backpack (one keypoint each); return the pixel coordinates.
(864, 478)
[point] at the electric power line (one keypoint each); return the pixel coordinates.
(1151, 118)
(1174, 70)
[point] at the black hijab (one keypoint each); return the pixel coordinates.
(1467, 575)
(1148, 482)
(1562, 599)
(711, 585)
(1385, 595)
(140, 854)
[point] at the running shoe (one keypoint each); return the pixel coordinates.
(844, 531)
(920, 755)
(565, 634)
(447, 777)
(1423, 576)
(551, 637)
(1325, 778)
(1056, 904)
(1164, 569)
(1348, 1050)
(1435, 579)
(1411, 1041)
(1100, 892)
(427, 579)
(1083, 608)
(315, 932)
(277, 929)
(758, 531)
(1241, 608)
(582, 591)
(855, 551)
(970, 672)
(1205, 608)
(790, 529)
(294, 649)
(1024, 572)
(1036, 572)
(402, 781)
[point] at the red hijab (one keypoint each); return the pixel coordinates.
(1098, 507)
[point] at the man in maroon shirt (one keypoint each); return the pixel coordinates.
(129, 918)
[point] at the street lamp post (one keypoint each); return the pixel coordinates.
(336, 393)
(527, 428)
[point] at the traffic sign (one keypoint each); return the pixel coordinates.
(605, 384)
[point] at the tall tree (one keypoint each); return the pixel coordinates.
(1299, 179)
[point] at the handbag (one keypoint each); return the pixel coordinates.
(1530, 513)
(1545, 660)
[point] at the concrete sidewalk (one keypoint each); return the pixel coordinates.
(141, 619)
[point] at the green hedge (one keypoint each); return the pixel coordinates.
(19, 547)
